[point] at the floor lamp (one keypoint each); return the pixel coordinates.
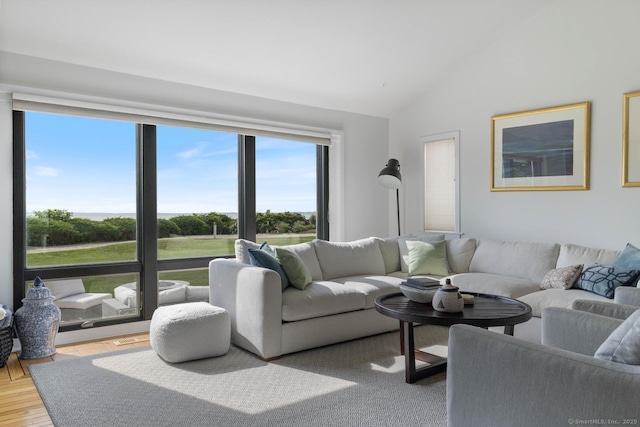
(390, 178)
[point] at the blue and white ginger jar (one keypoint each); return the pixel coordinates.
(37, 322)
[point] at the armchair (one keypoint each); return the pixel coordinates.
(498, 380)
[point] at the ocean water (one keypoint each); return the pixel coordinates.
(99, 216)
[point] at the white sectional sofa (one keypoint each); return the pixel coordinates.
(338, 305)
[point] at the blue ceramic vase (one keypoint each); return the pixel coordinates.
(37, 323)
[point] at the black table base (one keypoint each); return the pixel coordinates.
(488, 310)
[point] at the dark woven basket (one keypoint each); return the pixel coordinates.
(6, 344)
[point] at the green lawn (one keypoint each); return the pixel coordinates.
(174, 247)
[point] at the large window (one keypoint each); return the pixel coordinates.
(197, 181)
(80, 190)
(441, 183)
(286, 196)
(119, 217)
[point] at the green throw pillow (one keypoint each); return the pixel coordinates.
(427, 258)
(297, 273)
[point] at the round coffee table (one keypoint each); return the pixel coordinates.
(487, 310)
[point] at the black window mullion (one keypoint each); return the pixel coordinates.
(247, 187)
(322, 192)
(19, 209)
(147, 217)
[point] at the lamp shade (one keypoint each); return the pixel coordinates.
(390, 177)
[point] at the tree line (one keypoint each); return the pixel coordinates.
(55, 227)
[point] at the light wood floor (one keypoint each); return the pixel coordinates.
(20, 403)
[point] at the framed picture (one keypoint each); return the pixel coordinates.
(631, 140)
(545, 149)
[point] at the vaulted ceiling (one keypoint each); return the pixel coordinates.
(365, 56)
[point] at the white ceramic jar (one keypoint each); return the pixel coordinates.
(448, 299)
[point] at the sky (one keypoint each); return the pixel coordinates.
(88, 165)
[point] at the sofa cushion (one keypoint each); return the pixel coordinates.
(63, 288)
(629, 259)
(459, 254)
(297, 273)
(390, 253)
(81, 301)
(571, 254)
(320, 299)
(341, 259)
(307, 253)
(623, 345)
(486, 283)
(530, 261)
(427, 258)
(561, 278)
(557, 298)
(242, 247)
(372, 286)
(404, 250)
(604, 279)
(262, 258)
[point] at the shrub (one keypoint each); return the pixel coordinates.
(167, 228)
(191, 225)
(56, 232)
(225, 224)
(89, 231)
(125, 227)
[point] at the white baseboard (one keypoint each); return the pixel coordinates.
(71, 337)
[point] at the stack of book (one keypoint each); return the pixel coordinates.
(422, 283)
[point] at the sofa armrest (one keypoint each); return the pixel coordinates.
(253, 298)
(575, 330)
(528, 385)
(627, 295)
(609, 309)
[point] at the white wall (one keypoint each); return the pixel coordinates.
(364, 146)
(572, 51)
(6, 201)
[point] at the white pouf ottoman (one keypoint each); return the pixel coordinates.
(190, 331)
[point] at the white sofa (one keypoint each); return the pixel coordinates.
(347, 278)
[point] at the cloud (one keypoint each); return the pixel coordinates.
(30, 154)
(196, 151)
(46, 171)
(189, 153)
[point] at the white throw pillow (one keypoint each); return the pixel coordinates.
(242, 247)
(623, 345)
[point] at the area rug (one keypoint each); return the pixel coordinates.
(357, 383)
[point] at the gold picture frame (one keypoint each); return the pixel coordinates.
(541, 150)
(631, 140)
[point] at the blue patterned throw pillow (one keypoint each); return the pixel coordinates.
(603, 280)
